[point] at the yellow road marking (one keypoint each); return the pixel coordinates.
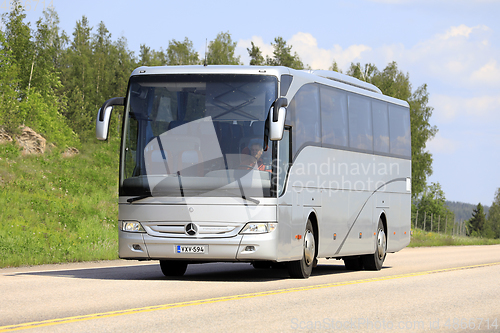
(67, 320)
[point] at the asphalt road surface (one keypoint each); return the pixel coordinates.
(455, 289)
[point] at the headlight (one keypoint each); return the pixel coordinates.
(131, 226)
(258, 228)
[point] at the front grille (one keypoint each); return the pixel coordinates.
(204, 229)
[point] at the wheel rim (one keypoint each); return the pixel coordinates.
(381, 243)
(309, 247)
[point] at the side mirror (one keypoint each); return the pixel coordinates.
(103, 116)
(277, 120)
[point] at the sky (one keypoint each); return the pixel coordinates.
(453, 46)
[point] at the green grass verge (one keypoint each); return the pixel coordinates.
(424, 238)
(58, 209)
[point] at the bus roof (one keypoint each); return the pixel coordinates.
(341, 80)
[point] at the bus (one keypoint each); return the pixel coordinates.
(267, 165)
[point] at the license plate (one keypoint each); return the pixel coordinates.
(191, 249)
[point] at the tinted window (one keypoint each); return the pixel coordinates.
(380, 127)
(360, 123)
(304, 116)
(399, 125)
(334, 117)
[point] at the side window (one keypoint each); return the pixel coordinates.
(360, 123)
(399, 129)
(304, 116)
(334, 117)
(380, 127)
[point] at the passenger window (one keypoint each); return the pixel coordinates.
(380, 127)
(334, 117)
(399, 125)
(304, 116)
(360, 123)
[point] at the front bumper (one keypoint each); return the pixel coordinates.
(141, 246)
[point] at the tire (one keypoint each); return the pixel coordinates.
(302, 269)
(353, 263)
(374, 262)
(173, 268)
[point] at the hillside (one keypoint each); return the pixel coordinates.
(463, 211)
(56, 207)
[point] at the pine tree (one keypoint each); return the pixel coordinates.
(475, 226)
(282, 55)
(493, 222)
(256, 58)
(335, 67)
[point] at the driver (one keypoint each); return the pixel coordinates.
(252, 158)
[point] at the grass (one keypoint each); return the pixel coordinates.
(424, 238)
(58, 209)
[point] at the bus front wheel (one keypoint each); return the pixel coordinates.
(173, 268)
(302, 268)
(374, 262)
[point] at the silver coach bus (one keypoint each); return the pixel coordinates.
(260, 164)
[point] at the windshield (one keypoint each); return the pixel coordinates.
(197, 135)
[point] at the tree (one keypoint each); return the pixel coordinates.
(9, 103)
(148, 57)
(77, 78)
(493, 222)
(182, 53)
(475, 226)
(282, 55)
(256, 58)
(432, 206)
(21, 46)
(421, 133)
(221, 51)
(44, 73)
(364, 74)
(335, 67)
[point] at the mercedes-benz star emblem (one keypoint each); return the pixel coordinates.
(191, 229)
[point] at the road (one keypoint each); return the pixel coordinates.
(419, 289)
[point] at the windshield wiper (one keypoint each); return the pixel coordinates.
(255, 201)
(140, 197)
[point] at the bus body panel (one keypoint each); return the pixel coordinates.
(350, 191)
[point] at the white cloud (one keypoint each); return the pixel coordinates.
(489, 73)
(461, 30)
(461, 56)
(440, 144)
(244, 44)
(307, 48)
(480, 109)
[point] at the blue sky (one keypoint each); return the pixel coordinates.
(452, 46)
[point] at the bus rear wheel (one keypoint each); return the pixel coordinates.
(302, 268)
(374, 262)
(173, 268)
